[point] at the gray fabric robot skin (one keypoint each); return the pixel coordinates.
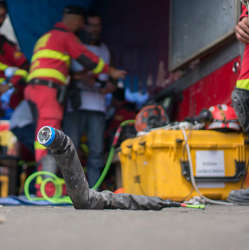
(240, 102)
(239, 197)
(81, 195)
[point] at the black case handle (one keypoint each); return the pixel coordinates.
(240, 172)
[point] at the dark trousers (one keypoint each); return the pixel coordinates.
(91, 123)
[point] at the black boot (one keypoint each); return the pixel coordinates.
(62, 148)
(240, 101)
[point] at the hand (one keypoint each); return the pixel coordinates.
(85, 78)
(109, 88)
(117, 73)
(4, 88)
(242, 30)
(88, 80)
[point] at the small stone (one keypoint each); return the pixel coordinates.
(2, 220)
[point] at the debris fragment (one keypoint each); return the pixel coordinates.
(2, 219)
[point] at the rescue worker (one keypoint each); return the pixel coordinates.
(86, 106)
(49, 75)
(10, 56)
(240, 95)
(242, 28)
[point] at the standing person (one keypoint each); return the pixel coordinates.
(10, 56)
(49, 74)
(242, 28)
(88, 116)
(240, 95)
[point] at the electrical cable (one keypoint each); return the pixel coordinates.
(111, 153)
(56, 198)
(204, 198)
(57, 182)
(106, 169)
(53, 179)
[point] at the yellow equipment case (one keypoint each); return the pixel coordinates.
(156, 164)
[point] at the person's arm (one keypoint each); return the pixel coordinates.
(84, 77)
(13, 76)
(109, 88)
(17, 60)
(242, 28)
(14, 55)
(89, 60)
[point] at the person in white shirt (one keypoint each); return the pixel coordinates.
(85, 112)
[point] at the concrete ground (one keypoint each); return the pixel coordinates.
(64, 228)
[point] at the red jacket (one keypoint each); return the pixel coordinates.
(244, 12)
(244, 72)
(52, 54)
(11, 56)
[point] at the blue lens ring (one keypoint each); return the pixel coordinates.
(52, 136)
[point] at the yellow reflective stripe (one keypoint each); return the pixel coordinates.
(21, 72)
(3, 66)
(243, 84)
(47, 73)
(39, 146)
(2, 80)
(99, 67)
(51, 54)
(38, 180)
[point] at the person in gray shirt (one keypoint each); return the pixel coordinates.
(87, 115)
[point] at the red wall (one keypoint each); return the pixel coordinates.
(214, 89)
(137, 32)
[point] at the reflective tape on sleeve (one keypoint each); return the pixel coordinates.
(21, 72)
(3, 66)
(99, 67)
(243, 84)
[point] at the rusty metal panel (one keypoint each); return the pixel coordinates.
(197, 26)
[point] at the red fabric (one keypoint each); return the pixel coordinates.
(121, 114)
(65, 42)
(49, 111)
(244, 12)
(11, 56)
(17, 96)
(201, 96)
(244, 73)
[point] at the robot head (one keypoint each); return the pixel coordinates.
(152, 116)
(224, 118)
